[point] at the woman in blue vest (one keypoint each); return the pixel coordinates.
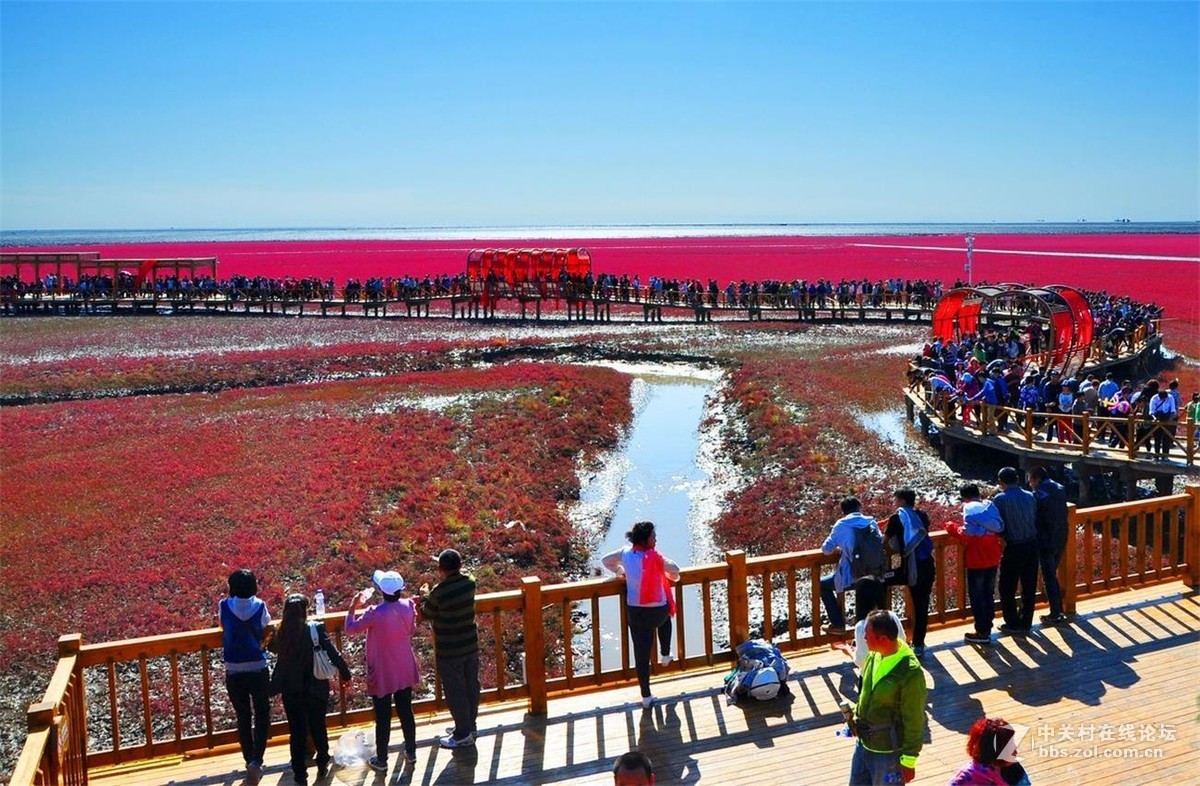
(244, 619)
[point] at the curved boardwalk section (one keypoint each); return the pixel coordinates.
(1132, 447)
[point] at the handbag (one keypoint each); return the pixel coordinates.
(323, 668)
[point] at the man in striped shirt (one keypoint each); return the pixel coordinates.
(450, 609)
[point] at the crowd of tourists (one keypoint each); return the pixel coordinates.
(236, 288)
(1010, 368)
(1008, 540)
(1154, 408)
(798, 294)
(1012, 536)
(307, 660)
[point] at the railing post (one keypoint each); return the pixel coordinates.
(535, 644)
(739, 598)
(40, 717)
(1085, 435)
(1191, 538)
(69, 646)
(1190, 435)
(1028, 428)
(1067, 569)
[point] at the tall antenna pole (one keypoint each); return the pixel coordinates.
(968, 266)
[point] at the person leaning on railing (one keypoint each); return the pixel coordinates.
(1164, 412)
(651, 601)
(979, 531)
(1051, 521)
(1019, 563)
(450, 608)
(907, 534)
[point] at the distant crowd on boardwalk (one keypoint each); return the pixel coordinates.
(1007, 368)
(1110, 312)
(777, 293)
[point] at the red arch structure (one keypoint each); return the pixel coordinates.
(518, 265)
(1063, 309)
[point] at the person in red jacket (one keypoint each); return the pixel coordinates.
(979, 531)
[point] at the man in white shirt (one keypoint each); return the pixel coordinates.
(1164, 412)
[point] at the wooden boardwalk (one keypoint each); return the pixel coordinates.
(1123, 678)
(472, 305)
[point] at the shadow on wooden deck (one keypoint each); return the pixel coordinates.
(1128, 659)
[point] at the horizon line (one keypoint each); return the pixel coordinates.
(616, 225)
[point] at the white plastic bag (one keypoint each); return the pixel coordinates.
(354, 748)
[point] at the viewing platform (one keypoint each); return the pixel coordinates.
(1117, 666)
(1110, 696)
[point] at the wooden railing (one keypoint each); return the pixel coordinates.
(55, 751)
(1131, 438)
(145, 683)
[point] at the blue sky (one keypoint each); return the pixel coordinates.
(174, 114)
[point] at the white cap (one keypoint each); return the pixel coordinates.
(388, 581)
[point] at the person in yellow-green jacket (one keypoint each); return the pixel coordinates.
(889, 720)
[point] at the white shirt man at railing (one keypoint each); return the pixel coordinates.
(1164, 412)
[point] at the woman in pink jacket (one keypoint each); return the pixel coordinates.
(392, 669)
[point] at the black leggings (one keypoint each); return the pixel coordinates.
(643, 621)
(926, 575)
(383, 722)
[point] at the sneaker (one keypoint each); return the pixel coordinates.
(1012, 630)
(647, 702)
(253, 772)
(322, 767)
(834, 630)
(450, 741)
(409, 757)
(377, 764)
(1054, 619)
(919, 650)
(665, 660)
(977, 638)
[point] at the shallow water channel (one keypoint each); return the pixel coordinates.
(657, 475)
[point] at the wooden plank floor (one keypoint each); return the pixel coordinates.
(1111, 699)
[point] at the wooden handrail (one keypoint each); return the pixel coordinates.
(1075, 433)
(1122, 545)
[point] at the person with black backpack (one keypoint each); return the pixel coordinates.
(856, 537)
(908, 536)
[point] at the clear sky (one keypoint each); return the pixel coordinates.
(177, 114)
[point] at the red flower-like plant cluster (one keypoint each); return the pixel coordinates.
(804, 450)
(122, 517)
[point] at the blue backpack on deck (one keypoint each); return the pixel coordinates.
(761, 672)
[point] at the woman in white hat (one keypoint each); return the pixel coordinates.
(392, 668)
